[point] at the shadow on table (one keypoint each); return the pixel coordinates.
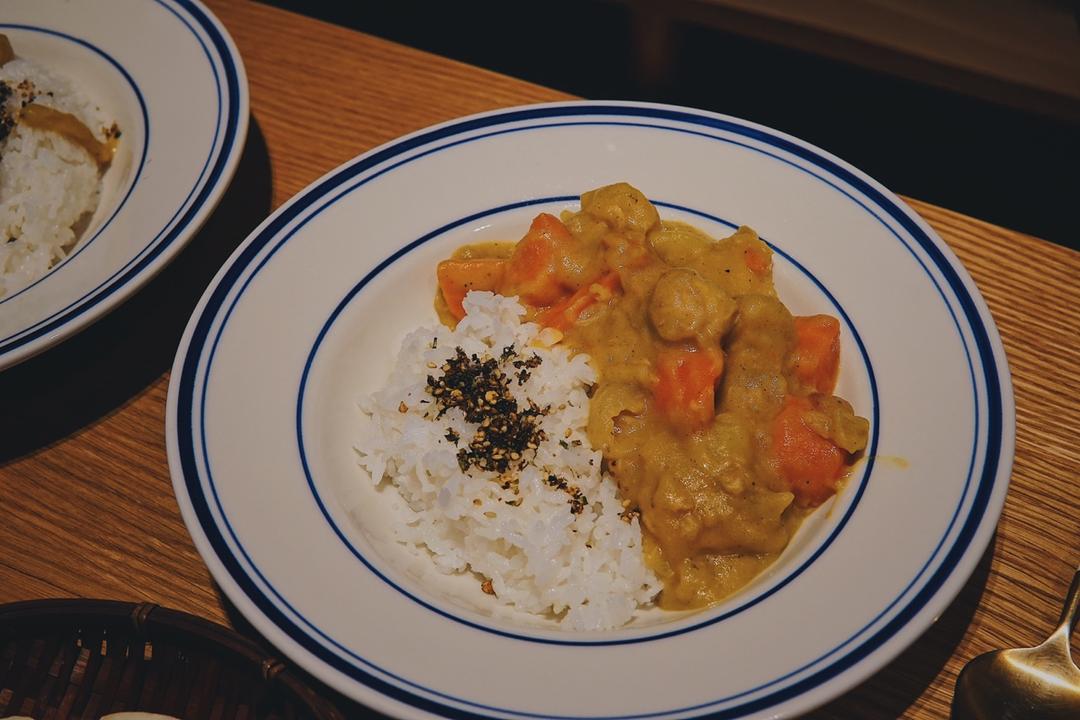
(349, 709)
(100, 369)
(896, 686)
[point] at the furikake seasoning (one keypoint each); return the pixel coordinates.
(480, 388)
(7, 120)
(577, 499)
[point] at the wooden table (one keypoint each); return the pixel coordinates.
(86, 503)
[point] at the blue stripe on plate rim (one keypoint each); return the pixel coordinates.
(753, 599)
(990, 485)
(226, 146)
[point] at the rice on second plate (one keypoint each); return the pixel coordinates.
(49, 185)
(519, 500)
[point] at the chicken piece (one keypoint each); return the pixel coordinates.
(622, 207)
(686, 306)
(835, 420)
(757, 346)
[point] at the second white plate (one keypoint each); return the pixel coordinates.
(170, 75)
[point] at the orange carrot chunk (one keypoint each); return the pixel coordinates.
(458, 277)
(686, 386)
(565, 313)
(531, 269)
(817, 352)
(757, 260)
(807, 462)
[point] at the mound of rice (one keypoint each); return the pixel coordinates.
(48, 184)
(550, 533)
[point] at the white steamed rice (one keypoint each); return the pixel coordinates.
(586, 569)
(48, 185)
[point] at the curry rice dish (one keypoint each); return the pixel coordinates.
(712, 406)
(55, 145)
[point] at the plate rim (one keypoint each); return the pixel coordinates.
(204, 196)
(995, 373)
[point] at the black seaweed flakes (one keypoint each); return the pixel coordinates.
(7, 120)
(481, 390)
(577, 499)
(529, 362)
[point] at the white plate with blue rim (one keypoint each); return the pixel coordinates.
(170, 76)
(308, 313)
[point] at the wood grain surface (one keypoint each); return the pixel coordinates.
(86, 502)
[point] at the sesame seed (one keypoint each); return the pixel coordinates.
(480, 389)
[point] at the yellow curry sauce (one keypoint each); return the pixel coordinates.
(49, 119)
(713, 407)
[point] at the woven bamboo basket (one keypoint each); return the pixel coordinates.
(83, 659)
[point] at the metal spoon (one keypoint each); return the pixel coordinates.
(1040, 682)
